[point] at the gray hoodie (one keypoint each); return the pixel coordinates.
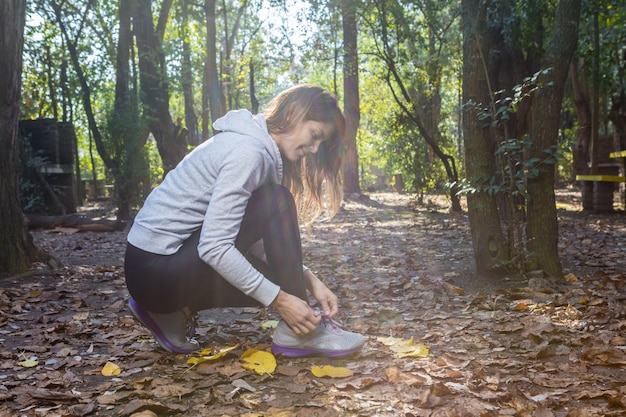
(209, 189)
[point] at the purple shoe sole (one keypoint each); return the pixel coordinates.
(145, 319)
(294, 352)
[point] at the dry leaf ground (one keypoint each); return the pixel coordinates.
(506, 348)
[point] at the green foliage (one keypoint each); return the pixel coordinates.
(517, 169)
(290, 43)
(503, 106)
(412, 55)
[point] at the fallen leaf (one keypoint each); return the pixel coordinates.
(111, 369)
(28, 363)
(269, 324)
(396, 376)
(259, 361)
(240, 383)
(208, 355)
(331, 371)
(405, 347)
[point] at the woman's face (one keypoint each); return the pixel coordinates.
(304, 138)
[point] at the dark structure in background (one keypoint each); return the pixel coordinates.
(50, 177)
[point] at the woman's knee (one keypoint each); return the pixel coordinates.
(283, 199)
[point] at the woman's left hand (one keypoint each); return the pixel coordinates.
(327, 299)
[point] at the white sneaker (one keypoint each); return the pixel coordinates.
(329, 339)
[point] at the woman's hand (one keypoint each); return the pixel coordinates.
(327, 299)
(296, 312)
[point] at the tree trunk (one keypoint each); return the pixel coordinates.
(169, 137)
(212, 90)
(490, 247)
(254, 101)
(617, 116)
(191, 121)
(132, 176)
(580, 92)
(542, 226)
(85, 91)
(351, 97)
(17, 250)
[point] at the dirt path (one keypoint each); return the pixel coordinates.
(508, 348)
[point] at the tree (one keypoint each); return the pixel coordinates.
(542, 227)
(213, 99)
(350, 96)
(597, 73)
(17, 250)
(128, 133)
(490, 246)
(191, 121)
(511, 131)
(122, 151)
(413, 64)
(154, 84)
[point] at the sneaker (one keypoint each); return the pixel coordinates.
(330, 339)
(172, 331)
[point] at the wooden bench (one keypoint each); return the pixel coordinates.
(597, 191)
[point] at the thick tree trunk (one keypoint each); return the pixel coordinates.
(351, 183)
(170, 138)
(132, 173)
(17, 250)
(542, 226)
(490, 247)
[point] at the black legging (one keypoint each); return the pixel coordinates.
(167, 283)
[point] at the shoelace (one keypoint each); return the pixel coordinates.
(329, 321)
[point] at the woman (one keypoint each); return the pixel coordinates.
(222, 229)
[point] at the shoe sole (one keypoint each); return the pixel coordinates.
(150, 324)
(294, 352)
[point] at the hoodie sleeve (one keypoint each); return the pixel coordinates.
(240, 174)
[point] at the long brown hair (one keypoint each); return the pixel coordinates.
(315, 180)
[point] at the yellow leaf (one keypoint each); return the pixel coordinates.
(208, 355)
(110, 369)
(258, 361)
(417, 351)
(405, 347)
(331, 371)
(571, 278)
(269, 324)
(28, 363)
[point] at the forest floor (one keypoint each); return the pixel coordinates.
(440, 340)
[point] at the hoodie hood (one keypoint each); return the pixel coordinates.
(245, 123)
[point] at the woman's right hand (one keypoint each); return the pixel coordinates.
(296, 312)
